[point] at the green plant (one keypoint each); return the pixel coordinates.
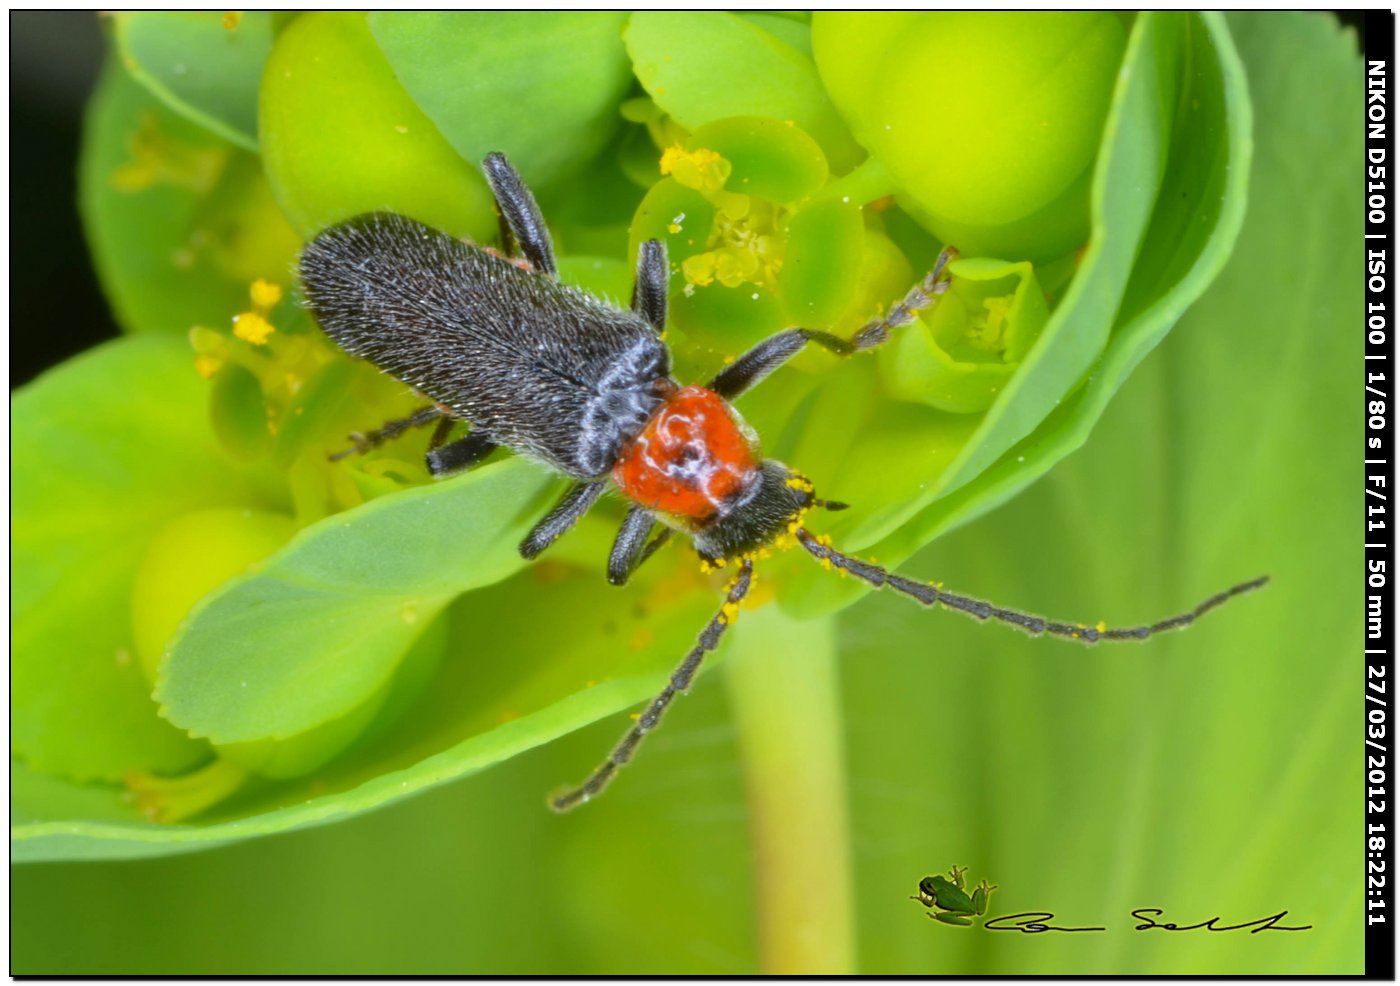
(303, 680)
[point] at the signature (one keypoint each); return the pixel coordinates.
(951, 900)
(1037, 922)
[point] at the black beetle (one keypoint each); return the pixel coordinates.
(550, 372)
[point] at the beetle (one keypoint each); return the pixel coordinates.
(548, 371)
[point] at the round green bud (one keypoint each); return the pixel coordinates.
(988, 124)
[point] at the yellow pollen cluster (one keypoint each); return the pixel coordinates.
(1101, 626)
(802, 483)
(795, 523)
(253, 326)
(706, 567)
(264, 294)
(728, 613)
(744, 245)
(701, 169)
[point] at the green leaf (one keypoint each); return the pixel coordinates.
(789, 27)
(1198, 773)
(704, 66)
(340, 136)
(678, 216)
(502, 690)
(199, 66)
(323, 623)
(541, 87)
(107, 449)
(1156, 133)
(822, 268)
(1231, 452)
(178, 220)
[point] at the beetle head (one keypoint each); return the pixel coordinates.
(770, 508)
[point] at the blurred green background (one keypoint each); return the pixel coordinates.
(1211, 772)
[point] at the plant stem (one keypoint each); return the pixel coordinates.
(781, 676)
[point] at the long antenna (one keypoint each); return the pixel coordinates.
(929, 595)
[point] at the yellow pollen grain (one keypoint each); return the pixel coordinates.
(231, 19)
(252, 327)
(701, 169)
(673, 228)
(670, 157)
(264, 294)
(1101, 626)
(207, 366)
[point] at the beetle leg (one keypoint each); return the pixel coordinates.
(680, 681)
(649, 290)
(519, 211)
(461, 454)
(366, 440)
(632, 547)
(748, 370)
(573, 505)
(440, 433)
